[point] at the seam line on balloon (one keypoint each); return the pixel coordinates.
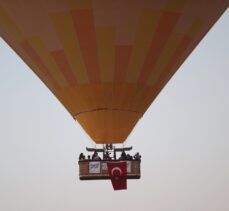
(107, 109)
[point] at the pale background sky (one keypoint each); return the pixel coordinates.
(183, 138)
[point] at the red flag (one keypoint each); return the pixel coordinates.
(117, 172)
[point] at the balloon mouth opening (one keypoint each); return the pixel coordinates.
(108, 125)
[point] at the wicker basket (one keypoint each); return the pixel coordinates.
(88, 172)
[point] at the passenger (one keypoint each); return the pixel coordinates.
(107, 156)
(88, 157)
(123, 156)
(95, 156)
(81, 157)
(137, 156)
(110, 146)
(129, 157)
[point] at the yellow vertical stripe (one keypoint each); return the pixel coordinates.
(195, 28)
(166, 54)
(45, 55)
(144, 34)
(9, 25)
(106, 51)
(169, 50)
(64, 27)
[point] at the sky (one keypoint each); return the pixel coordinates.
(183, 139)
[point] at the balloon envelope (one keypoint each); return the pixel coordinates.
(106, 61)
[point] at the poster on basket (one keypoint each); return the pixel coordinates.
(94, 167)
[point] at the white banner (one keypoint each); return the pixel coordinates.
(128, 166)
(94, 167)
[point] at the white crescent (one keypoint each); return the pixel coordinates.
(114, 169)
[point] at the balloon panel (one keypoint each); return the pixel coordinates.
(106, 61)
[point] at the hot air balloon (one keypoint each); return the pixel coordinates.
(106, 60)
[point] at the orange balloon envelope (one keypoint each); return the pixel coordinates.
(106, 60)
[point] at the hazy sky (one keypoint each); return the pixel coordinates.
(183, 138)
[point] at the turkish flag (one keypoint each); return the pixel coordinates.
(117, 172)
